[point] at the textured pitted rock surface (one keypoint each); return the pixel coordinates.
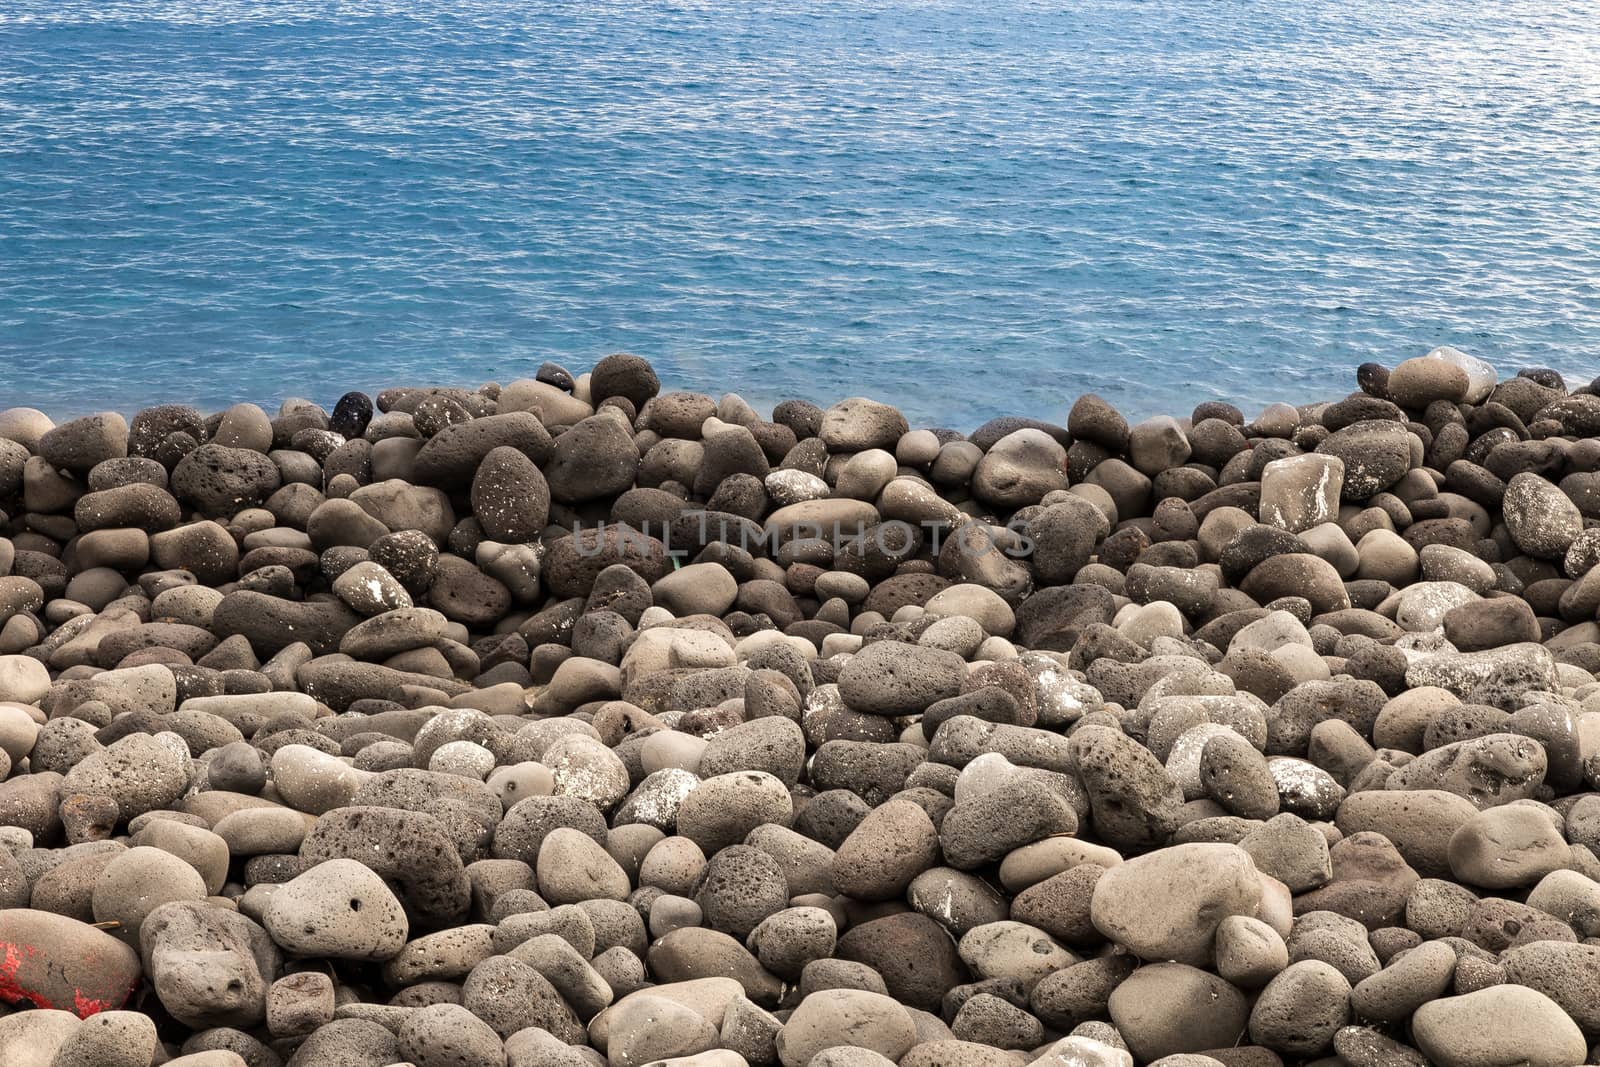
(339, 909)
(571, 722)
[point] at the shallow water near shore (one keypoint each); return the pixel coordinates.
(968, 210)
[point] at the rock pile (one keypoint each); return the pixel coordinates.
(571, 723)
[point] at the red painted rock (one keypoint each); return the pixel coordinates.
(51, 961)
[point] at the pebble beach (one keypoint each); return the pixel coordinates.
(575, 722)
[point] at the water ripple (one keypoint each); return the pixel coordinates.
(972, 209)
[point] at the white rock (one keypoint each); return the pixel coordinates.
(1082, 1052)
(1423, 606)
(23, 679)
(794, 486)
(1481, 376)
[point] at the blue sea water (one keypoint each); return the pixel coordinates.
(967, 208)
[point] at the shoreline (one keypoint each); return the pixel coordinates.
(726, 737)
(697, 375)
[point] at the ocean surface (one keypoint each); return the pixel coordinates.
(967, 208)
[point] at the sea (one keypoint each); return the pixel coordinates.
(965, 208)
